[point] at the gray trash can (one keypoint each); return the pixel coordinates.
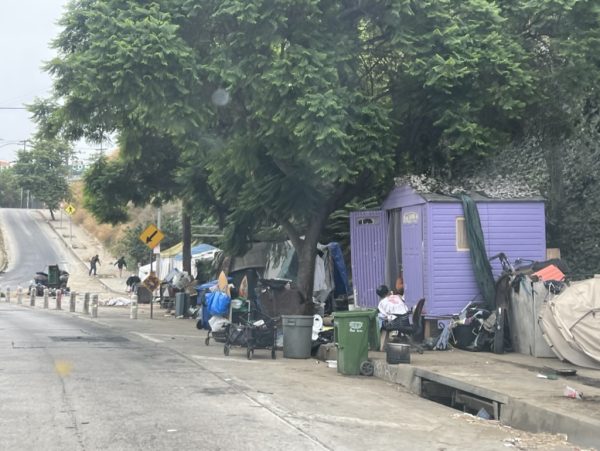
(181, 304)
(297, 336)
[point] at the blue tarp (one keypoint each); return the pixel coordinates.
(198, 249)
(340, 275)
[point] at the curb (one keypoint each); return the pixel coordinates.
(515, 412)
(3, 256)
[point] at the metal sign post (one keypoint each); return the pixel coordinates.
(151, 237)
(70, 209)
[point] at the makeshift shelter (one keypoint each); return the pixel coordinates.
(278, 260)
(422, 236)
(172, 258)
(571, 324)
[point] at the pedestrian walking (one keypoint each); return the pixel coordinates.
(95, 260)
(120, 263)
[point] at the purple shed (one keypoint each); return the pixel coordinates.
(423, 236)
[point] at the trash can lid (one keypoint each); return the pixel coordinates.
(355, 313)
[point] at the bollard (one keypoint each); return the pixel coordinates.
(46, 293)
(94, 312)
(72, 301)
(86, 304)
(19, 295)
(32, 295)
(134, 307)
(8, 294)
(58, 299)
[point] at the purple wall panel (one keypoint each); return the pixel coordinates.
(453, 284)
(402, 196)
(516, 228)
(412, 253)
(368, 235)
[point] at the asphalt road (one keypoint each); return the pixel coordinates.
(31, 247)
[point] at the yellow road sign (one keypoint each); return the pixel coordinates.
(151, 236)
(70, 209)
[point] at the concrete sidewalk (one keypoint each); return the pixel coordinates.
(510, 383)
(83, 247)
(507, 383)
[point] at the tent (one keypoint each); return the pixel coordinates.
(172, 258)
(571, 324)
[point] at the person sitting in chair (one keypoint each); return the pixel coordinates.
(393, 311)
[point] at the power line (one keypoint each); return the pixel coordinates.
(12, 108)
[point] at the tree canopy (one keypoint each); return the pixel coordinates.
(280, 111)
(43, 170)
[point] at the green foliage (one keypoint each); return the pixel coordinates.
(136, 251)
(279, 112)
(9, 189)
(43, 171)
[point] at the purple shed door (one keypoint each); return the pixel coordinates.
(368, 231)
(412, 253)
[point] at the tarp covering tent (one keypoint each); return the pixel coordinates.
(172, 258)
(571, 323)
(197, 250)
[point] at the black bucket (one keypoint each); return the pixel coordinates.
(397, 353)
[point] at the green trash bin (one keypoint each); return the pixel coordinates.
(354, 332)
(53, 276)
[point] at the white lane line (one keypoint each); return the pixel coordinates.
(225, 359)
(148, 337)
(180, 336)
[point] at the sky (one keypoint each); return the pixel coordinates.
(27, 28)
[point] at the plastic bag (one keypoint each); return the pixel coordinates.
(217, 303)
(217, 323)
(570, 392)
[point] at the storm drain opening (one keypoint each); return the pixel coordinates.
(460, 400)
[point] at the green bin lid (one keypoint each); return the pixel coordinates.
(355, 313)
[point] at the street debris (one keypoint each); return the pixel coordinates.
(118, 302)
(547, 376)
(522, 440)
(570, 392)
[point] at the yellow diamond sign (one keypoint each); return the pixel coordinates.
(70, 209)
(151, 236)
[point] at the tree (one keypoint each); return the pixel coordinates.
(43, 171)
(279, 112)
(9, 189)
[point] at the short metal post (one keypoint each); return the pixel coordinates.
(133, 314)
(72, 301)
(19, 295)
(94, 312)
(58, 299)
(32, 295)
(8, 294)
(86, 304)
(46, 294)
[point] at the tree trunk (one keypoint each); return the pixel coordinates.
(52, 214)
(186, 226)
(306, 268)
